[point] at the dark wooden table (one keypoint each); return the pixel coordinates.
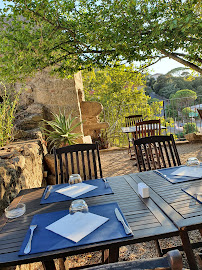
(146, 219)
(184, 211)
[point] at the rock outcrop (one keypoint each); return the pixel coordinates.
(20, 168)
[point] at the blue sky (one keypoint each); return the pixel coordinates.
(162, 66)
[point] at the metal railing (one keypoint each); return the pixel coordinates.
(180, 116)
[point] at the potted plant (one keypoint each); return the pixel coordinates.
(59, 131)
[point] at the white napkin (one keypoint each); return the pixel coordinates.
(188, 171)
(75, 227)
(76, 190)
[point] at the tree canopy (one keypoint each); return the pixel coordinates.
(166, 85)
(120, 90)
(73, 35)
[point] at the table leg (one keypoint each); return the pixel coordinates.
(160, 253)
(113, 254)
(110, 255)
(188, 249)
(105, 256)
(49, 265)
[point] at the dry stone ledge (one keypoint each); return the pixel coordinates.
(194, 137)
(21, 167)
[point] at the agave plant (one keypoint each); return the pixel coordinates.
(61, 130)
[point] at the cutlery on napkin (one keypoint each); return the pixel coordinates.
(120, 218)
(29, 243)
(48, 192)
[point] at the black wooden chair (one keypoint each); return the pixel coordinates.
(156, 152)
(147, 128)
(172, 261)
(83, 159)
(130, 121)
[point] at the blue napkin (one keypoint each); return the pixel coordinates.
(46, 240)
(193, 191)
(167, 174)
(57, 197)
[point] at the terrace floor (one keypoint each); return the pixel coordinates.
(117, 162)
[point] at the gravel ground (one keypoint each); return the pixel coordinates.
(117, 162)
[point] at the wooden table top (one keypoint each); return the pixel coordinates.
(181, 208)
(144, 217)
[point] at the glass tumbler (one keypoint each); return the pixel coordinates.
(15, 211)
(193, 161)
(78, 206)
(75, 179)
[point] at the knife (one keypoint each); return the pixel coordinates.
(106, 182)
(48, 192)
(120, 218)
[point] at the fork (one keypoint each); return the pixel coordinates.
(106, 182)
(28, 246)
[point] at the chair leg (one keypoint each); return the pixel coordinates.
(188, 249)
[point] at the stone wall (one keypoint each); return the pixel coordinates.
(44, 94)
(21, 167)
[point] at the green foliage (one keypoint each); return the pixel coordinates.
(59, 131)
(179, 71)
(166, 85)
(179, 101)
(186, 111)
(118, 90)
(190, 128)
(74, 35)
(7, 114)
(114, 86)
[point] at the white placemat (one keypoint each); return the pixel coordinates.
(75, 227)
(76, 190)
(188, 171)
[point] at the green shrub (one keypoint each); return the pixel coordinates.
(190, 128)
(7, 114)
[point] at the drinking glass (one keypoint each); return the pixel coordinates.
(15, 211)
(78, 206)
(74, 179)
(193, 161)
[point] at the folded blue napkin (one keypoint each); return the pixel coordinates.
(57, 197)
(166, 173)
(195, 192)
(46, 240)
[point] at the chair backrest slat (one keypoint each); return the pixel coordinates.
(167, 156)
(83, 165)
(83, 159)
(172, 154)
(131, 120)
(77, 162)
(66, 166)
(156, 152)
(61, 169)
